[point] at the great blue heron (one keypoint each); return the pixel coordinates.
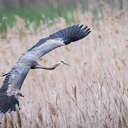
(13, 81)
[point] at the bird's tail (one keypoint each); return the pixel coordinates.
(8, 103)
(71, 34)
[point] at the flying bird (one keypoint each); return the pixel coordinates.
(10, 89)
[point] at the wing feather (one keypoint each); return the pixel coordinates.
(64, 36)
(10, 88)
(15, 78)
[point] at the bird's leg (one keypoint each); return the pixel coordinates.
(38, 66)
(3, 74)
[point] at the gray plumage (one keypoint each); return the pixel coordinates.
(13, 81)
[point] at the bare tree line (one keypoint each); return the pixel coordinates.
(85, 3)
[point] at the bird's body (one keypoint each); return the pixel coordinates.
(14, 79)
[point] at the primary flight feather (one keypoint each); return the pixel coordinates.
(14, 79)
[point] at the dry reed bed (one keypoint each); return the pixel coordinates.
(91, 93)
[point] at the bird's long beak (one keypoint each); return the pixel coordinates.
(63, 62)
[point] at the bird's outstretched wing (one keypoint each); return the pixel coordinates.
(14, 79)
(9, 91)
(60, 38)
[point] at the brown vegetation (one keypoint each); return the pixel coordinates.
(91, 93)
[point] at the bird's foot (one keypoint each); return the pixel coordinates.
(20, 94)
(3, 74)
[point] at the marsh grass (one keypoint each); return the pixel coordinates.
(91, 93)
